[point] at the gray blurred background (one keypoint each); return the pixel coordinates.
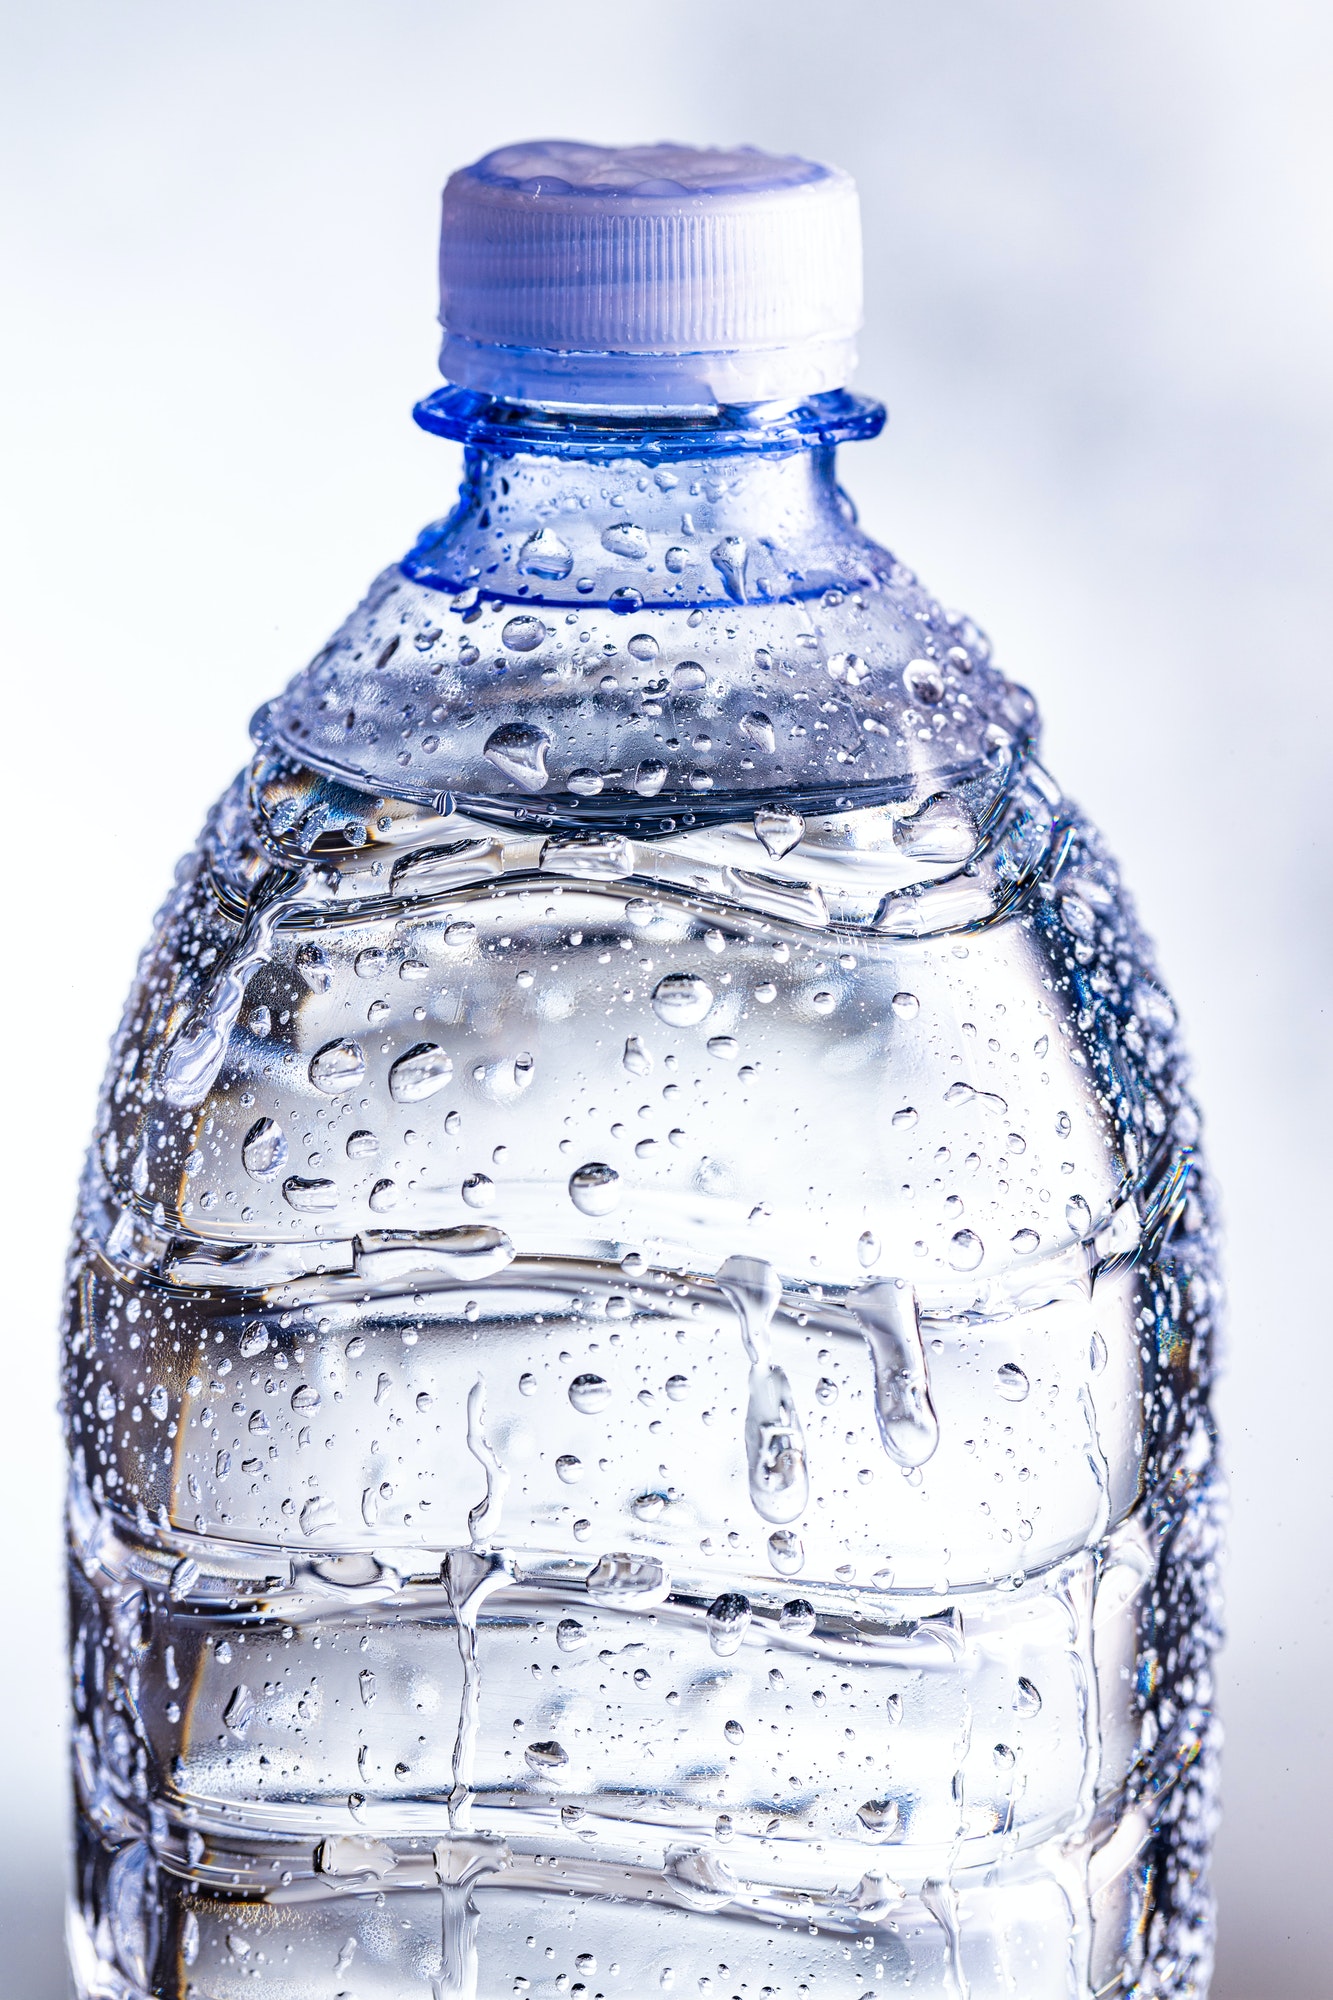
(1099, 307)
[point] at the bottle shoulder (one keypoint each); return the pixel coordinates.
(855, 688)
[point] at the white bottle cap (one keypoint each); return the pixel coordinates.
(668, 277)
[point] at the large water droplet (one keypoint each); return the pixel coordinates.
(637, 1059)
(924, 681)
(626, 1579)
(478, 1191)
(569, 1468)
(310, 1197)
(939, 831)
(1027, 1700)
(867, 1248)
(727, 1619)
(758, 729)
(519, 749)
(1078, 1215)
(966, 1250)
(595, 1188)
(589, 1393)
(420, 1073)
(544, 554)
(778, 830)
(570, 1635)
(521, 635)
(337, 1067)
(681, 999)
(264, 1151)
(797, 1617)
(786, 1551)
(650, 777)
(548, 1756)
(879, 1817)
(1012, 1383)
(623, 539)
(887, 1315)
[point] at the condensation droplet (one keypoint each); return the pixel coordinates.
(589, 1393)
(264, 1151)
(681, 999)
(595, 1188)
(337, 1067)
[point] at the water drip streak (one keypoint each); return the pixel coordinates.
(469, 1580)
(887, 1315)
(779, 1476)
(459, 1866)
(941, 1899)
(196, 1055)
(486, 1512)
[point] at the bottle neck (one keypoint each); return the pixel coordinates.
(636, 509)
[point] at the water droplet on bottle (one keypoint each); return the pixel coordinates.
(1012, 1383)
(1078, 1215)
(312, 968)
(879, 1817)
(570, 1635)
(595, 1188)
(1096, 1354)
(678, 1387)
(687, 676)
(727, 1619)
(939, 831)
(547, 1756)
(264, 1151)
(797, 1616)
(643, 646)
(637, 1059)
(905, 1005)
(966, 1250)
(650, 777)
(478, 1191)
(758, 729)
(337, 1067)
(924, 681)
(1025, 1241)
(310, 1197)
(1027, 1701)
(589, 1393)
(729, 561)
(519, 750)
(623, 539)
(585, 783)
(734, 1732)
(893, 1708)
(626, 1579)
(370, 963)
(867, 1249)
(361, 1145)
(420, 1073)
(240, 1710)
(521, 635)
(681, 999)
(778, 830)
(725, 1047)
(544, 554)
(786, 1552)
(319, 1512)
(569, 1468)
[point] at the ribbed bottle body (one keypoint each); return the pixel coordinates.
(637, 1391)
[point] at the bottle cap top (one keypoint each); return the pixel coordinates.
(668, 277)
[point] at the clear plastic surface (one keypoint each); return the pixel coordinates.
(641, 1316)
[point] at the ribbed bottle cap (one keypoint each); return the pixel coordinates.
(649, 276)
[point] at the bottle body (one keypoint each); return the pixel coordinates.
(639, 1341)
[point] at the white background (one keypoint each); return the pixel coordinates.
(1099, 278)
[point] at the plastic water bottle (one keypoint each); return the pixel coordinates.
(640, 1322)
